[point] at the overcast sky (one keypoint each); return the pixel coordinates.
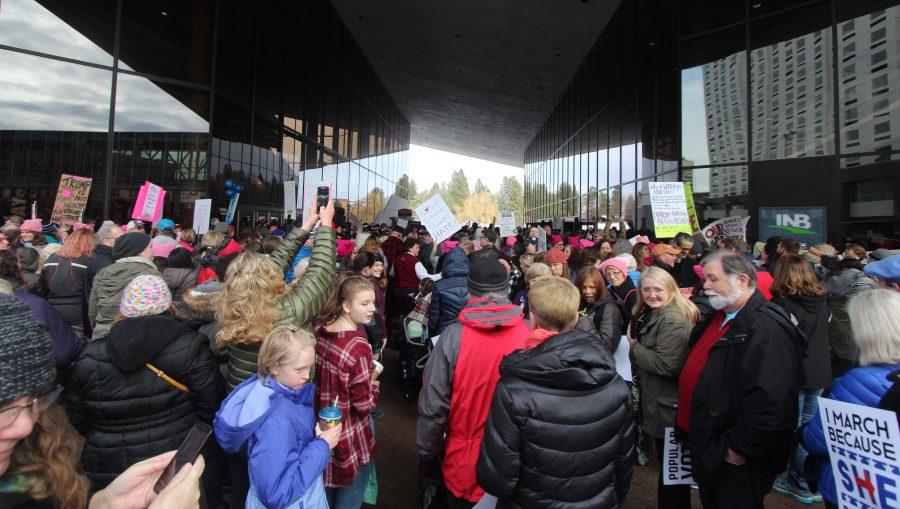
(428, 165)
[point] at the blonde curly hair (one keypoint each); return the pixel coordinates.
(246, 310)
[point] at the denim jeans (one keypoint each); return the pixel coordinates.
(809, 405)
(350, 497)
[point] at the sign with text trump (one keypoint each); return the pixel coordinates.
(863, 445)
(438, 218)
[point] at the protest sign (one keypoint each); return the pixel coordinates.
(622, 357)
(639, 238)
(732, 226)
(670, 215)
(507, 223)
(863, 445)
(692, 210)
(290, 199)
(677, 468)
(71, 198)
(232, 207)
(437, 218)
(202, 210)
(149, 203)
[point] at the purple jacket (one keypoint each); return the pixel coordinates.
(66, 345)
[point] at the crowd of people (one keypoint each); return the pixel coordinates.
(117, 340)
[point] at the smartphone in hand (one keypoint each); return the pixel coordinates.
(187, 453)
(322, 197)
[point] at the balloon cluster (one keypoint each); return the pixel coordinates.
(232, 188)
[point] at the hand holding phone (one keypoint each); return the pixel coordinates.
(322, 196)
(187, 453)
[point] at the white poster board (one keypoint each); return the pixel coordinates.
(669, 206)
(437, 218)
(731, 226)
(507, 223)
(622, 356)
(290, 199)
(202, 210)
(863, 446)
(309, 193)
(676, 461)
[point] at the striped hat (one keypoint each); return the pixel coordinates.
(26, 352)
(144, 296)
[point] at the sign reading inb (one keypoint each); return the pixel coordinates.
(803, 224)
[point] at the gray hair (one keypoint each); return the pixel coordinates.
(875, 322)
(495, 297)
(734, 264)
(104, 232)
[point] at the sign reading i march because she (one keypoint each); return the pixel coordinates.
(863, 444)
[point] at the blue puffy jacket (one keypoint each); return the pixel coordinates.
(277, 425)
(450, 292)
(861, 386)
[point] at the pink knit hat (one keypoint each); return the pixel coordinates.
(618, 263)
(556, 255)
(345, 247)
(448, 246)
(587, 243)
(556, 239)
(510, 241)
(31, 225)
(163, 249)
(572, 240)
(698, 270)
(144, 296)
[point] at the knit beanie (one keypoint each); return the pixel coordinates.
(510, 241)
(556, 239)
(144, 296)
(556, 255)
(487, 275)
(448, 246)
(26, 352)
(32, 225)
(49, 228)
(616, 262)
(130, 244)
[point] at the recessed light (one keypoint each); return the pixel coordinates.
(164, 13)
(652, 44)
(757, 5)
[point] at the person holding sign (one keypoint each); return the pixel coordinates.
(738, 390)
(875, 322)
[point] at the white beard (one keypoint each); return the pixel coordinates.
(720, 302)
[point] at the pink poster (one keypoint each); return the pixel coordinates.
(149, 204)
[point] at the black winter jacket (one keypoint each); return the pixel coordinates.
(603, 320)
(450, 292)
(811, 313)
(64, 280)
(746, 396)
(125, 411)
(560, 432)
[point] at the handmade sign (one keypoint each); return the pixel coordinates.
(71, 198)
(732, 226)
(202, 210)
(149, 203)
(863, 445)
(692, 210)
(437, 218)
(676, 463)
(670, 214)
(507, 223)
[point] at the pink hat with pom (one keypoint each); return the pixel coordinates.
(31, 225)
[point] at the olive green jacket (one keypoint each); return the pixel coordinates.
(109, 285)
(297, 307)
(659, 355)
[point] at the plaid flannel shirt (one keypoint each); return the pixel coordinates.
(344, 369)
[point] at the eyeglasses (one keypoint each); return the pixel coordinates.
(37, 405)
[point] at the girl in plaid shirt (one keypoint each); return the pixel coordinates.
(345, 371)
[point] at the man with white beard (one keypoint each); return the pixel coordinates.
(738, 389)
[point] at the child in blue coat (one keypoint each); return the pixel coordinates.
(272, 414)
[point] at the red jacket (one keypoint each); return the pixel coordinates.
(405, 271)
(459, 383)
(392, 247)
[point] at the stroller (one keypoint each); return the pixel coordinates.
(418, 342)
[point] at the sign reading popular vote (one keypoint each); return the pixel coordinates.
(437, 218)
(670, 213)
(863, 445)
(71, 198)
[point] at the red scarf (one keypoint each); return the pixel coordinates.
(538, 336)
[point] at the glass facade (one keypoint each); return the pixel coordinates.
(188, 95)
(732, 100)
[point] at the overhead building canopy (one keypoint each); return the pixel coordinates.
(476, 78)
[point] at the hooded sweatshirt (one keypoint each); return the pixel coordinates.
(277, 427)
(811, 314)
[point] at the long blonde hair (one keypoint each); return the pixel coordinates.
(247, 309)
(688, 311)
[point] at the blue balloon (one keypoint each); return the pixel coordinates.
(229, 193)
(238, 188)
(229, 184)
